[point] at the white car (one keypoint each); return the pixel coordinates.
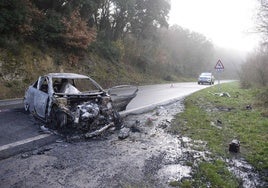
(206, 78)
(62, 99)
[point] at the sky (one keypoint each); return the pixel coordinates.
(227, 23)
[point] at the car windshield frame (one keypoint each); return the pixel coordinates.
(73, 78)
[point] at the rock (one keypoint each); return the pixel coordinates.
(25, 155)
(124, 133)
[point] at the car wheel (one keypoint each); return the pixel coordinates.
(58, 118)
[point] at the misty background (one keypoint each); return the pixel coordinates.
(115, 41)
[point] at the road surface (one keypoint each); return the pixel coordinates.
(155, 94)
(19, 131)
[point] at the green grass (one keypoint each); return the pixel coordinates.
(202, 111)
(216, 174)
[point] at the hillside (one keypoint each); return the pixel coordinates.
(115, 42)
(18, 69)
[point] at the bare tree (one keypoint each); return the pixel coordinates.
(262, 26)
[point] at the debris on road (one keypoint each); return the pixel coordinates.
(249, 107)
(99, 131)
(124, 133)
(234, 146)
(223, 94)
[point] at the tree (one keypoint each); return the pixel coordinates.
(262, 26)
(255, 70)
(77, 35)
(17, 16)
(149, 15)
(50, 28)
(123, 14)
(189, 52)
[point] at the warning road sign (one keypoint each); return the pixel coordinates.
(219, 66)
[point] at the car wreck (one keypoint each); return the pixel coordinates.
(73, 100)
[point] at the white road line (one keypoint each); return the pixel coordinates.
(14, 144)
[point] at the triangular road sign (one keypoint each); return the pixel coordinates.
(219, 65)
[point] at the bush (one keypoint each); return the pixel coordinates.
(106, 49)
(170, 78)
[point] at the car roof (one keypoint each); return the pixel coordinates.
(66, 75)
(207, 73)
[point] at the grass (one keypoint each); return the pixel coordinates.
(218, 120)
(215, 175)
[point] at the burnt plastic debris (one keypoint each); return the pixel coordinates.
(234, 146)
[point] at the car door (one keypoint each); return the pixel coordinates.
(41, 97)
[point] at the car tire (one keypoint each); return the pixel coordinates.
(62, 119)
(58, 118)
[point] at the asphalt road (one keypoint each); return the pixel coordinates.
(153, 94)
(20, 132)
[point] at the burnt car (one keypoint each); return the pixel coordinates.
(69, 99)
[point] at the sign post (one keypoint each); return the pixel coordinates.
(219, 68)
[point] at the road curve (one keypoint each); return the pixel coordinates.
(150, 96)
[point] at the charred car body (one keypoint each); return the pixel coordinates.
(62, 99)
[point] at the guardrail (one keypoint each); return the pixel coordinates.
(11, 102)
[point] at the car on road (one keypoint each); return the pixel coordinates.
(63, 99)
(206, 78)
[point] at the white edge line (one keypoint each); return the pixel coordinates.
(21, 142)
